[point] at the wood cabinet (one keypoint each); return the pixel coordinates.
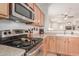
(42, 19)
(62, 45)
(4, 10)
(49, 45)
(68, 45)
(52, 44)
(36, 14)
(39, 16)
(45, 45)
(73, 46)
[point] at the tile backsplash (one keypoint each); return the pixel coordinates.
(8, 24)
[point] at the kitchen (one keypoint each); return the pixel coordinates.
(39, 29)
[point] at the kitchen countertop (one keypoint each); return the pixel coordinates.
(10, 51)
(52, 34)
(55, 34)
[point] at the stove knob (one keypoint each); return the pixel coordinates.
(5, 33)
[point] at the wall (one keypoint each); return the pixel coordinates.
(7, 24)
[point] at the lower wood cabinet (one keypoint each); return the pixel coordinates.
(73, 46)
(52, 44)
(61, 45)
(45, 45)
(4, 10)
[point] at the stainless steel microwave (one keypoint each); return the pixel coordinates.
(21, 12)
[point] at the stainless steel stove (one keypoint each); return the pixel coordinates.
(27, 45)
(21, 41)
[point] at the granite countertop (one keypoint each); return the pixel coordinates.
(10, 51)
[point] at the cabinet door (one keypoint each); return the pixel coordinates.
(37, 19)
(4, 10)
(61, 45)
(73, 46)
(45, 45)
(42, 18)
(52, 44)
(36, 14)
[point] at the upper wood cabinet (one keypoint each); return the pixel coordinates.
(36, 14)
(4, 10)
(42, 18)
(39, 16)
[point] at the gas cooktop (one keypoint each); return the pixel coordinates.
(27, 45)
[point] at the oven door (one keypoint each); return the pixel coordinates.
(23, 12)
(34, 51)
